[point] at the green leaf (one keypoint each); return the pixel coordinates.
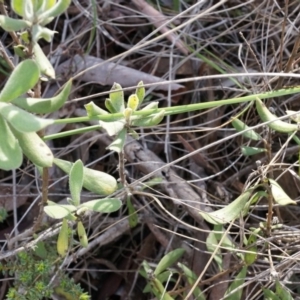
(63, 239)
(251, 256)
(82, 235)
(112, 128)
(34, 148)
(230, 212)
(107, 205)
(93, 110)
(133, 102)
(94, 181)
(24, 77)
(109, 106)
(17, 6)
(10, 152)
(168, 260)
(152, 120)
(76, 181)
(40, 250)
(116, 97)
(45, 105)
(283, 292)
(39, 32)
(140, 92)
(43, 62)
(10, 24)
(59, 211)
(249, 151)
(211, 244)
(270, 295)
(57, 9)
(22, 120)
(238, 281)
(118, 144)
(191, 279)
(279, 194)
(132, 215)
(241, 126)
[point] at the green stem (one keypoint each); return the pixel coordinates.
(184, 108)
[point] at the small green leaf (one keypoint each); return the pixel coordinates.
(40, 250)
(45, 105)
(10, 152)
(109, 106)
(76, 181)
(112, 128)
(82, 235)
(57, 9)
(152, 105)
(168, 260)
(241, 126)
(59, 211)
(34, 148)
(211, 244)
(43, 62)
(279, 194)
(21, 120)
(94, 181)
(107, 205)
(283, 292)
(24, 77)
(133, 102)
(17, 6)
(10, 24)
(251, 256)
(132, 215)
(152, 120)
(238, 281)
(249, 151)
(40, 32)
(270, 295)
(116, 97)
(93, 110)
(140, 92)
(118, 144)
(63, 239)
(230, 212)
(191, 279)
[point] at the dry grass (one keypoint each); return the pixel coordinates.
(208, 38)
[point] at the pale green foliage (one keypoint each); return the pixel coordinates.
(77, 177)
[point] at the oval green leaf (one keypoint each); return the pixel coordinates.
(63, 239)
(24, 77)
(59, 211)
(76, 181)
(10, 152)
(107, 206)
(230, 212)
(279, 194)
(116, 97)
(118, 144)
(249, 151)
(95, 181)
(10, 24)
(21, 120)
(43, 62)
(168, 260)
(241, 126)
(34, 148)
